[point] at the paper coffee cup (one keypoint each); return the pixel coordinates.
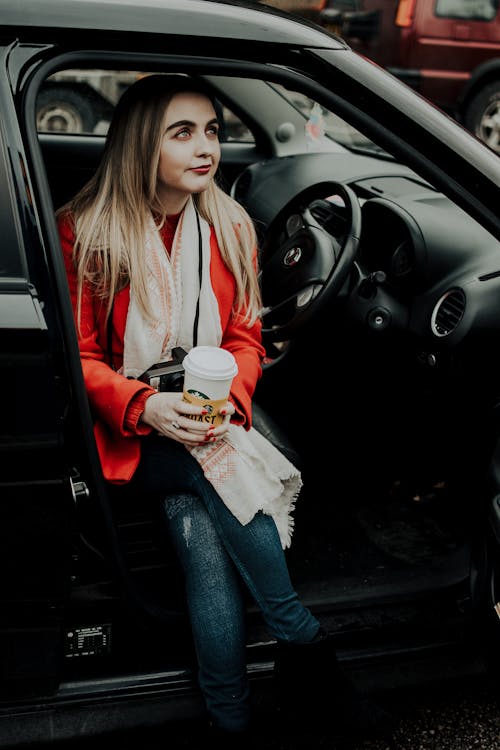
(208, 374)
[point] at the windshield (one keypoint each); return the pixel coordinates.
(323, 126)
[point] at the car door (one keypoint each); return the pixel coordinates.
(36, 487)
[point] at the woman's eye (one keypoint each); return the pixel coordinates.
(214, 130)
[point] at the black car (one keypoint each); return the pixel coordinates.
(378, 222)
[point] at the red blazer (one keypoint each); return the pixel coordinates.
(117, 402)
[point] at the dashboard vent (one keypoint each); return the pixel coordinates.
(321, 211)
(328, 216)
(448, 312)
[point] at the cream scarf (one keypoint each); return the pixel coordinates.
(247, 471)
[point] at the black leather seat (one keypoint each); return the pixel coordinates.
(267, 427)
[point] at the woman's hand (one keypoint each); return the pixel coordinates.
(168, 414)
(217, 432)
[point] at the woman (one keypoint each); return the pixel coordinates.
(158, 256)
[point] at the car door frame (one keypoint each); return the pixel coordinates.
(37, 488)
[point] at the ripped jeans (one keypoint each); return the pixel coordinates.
(217, 553)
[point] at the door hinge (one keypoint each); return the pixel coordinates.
(79, 489)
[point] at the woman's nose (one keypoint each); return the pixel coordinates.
(205, 145)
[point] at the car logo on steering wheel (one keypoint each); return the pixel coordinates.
(292, 256)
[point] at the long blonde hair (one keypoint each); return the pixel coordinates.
(112, 210)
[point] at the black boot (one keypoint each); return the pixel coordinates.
(311, 685)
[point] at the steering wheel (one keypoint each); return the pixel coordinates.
(304, 265)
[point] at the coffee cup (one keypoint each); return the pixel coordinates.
(208, 374)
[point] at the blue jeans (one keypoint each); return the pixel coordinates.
(218, 554)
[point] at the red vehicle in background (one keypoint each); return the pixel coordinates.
(448, 50)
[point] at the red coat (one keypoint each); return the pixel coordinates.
(116, 401)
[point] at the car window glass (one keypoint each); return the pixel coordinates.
(82, 101)
(11, 258)
(323, 126)
(477, 10)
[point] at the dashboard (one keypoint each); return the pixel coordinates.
(425, 265)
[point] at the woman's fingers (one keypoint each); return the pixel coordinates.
(218, 431)
(172, 417)
(167, 413)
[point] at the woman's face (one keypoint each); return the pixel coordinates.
(190, 150)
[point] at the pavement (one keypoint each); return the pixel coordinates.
(451, 716)
(460, 716)
(455, 715)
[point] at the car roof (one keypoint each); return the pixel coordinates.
(229, 19)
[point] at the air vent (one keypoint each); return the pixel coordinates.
(328, 217)
(321, 211)
(448, 312)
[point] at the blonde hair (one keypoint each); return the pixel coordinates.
(111, 211)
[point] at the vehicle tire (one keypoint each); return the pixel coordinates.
(482, 115)
(63, 110)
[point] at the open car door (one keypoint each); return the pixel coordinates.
(36, 489)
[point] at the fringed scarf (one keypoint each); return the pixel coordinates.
(248, 472)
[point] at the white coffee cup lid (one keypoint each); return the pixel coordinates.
(210, 362)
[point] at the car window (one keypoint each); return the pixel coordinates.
(324, 127)
(82, 101)
(476, 10)
(12, 262)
